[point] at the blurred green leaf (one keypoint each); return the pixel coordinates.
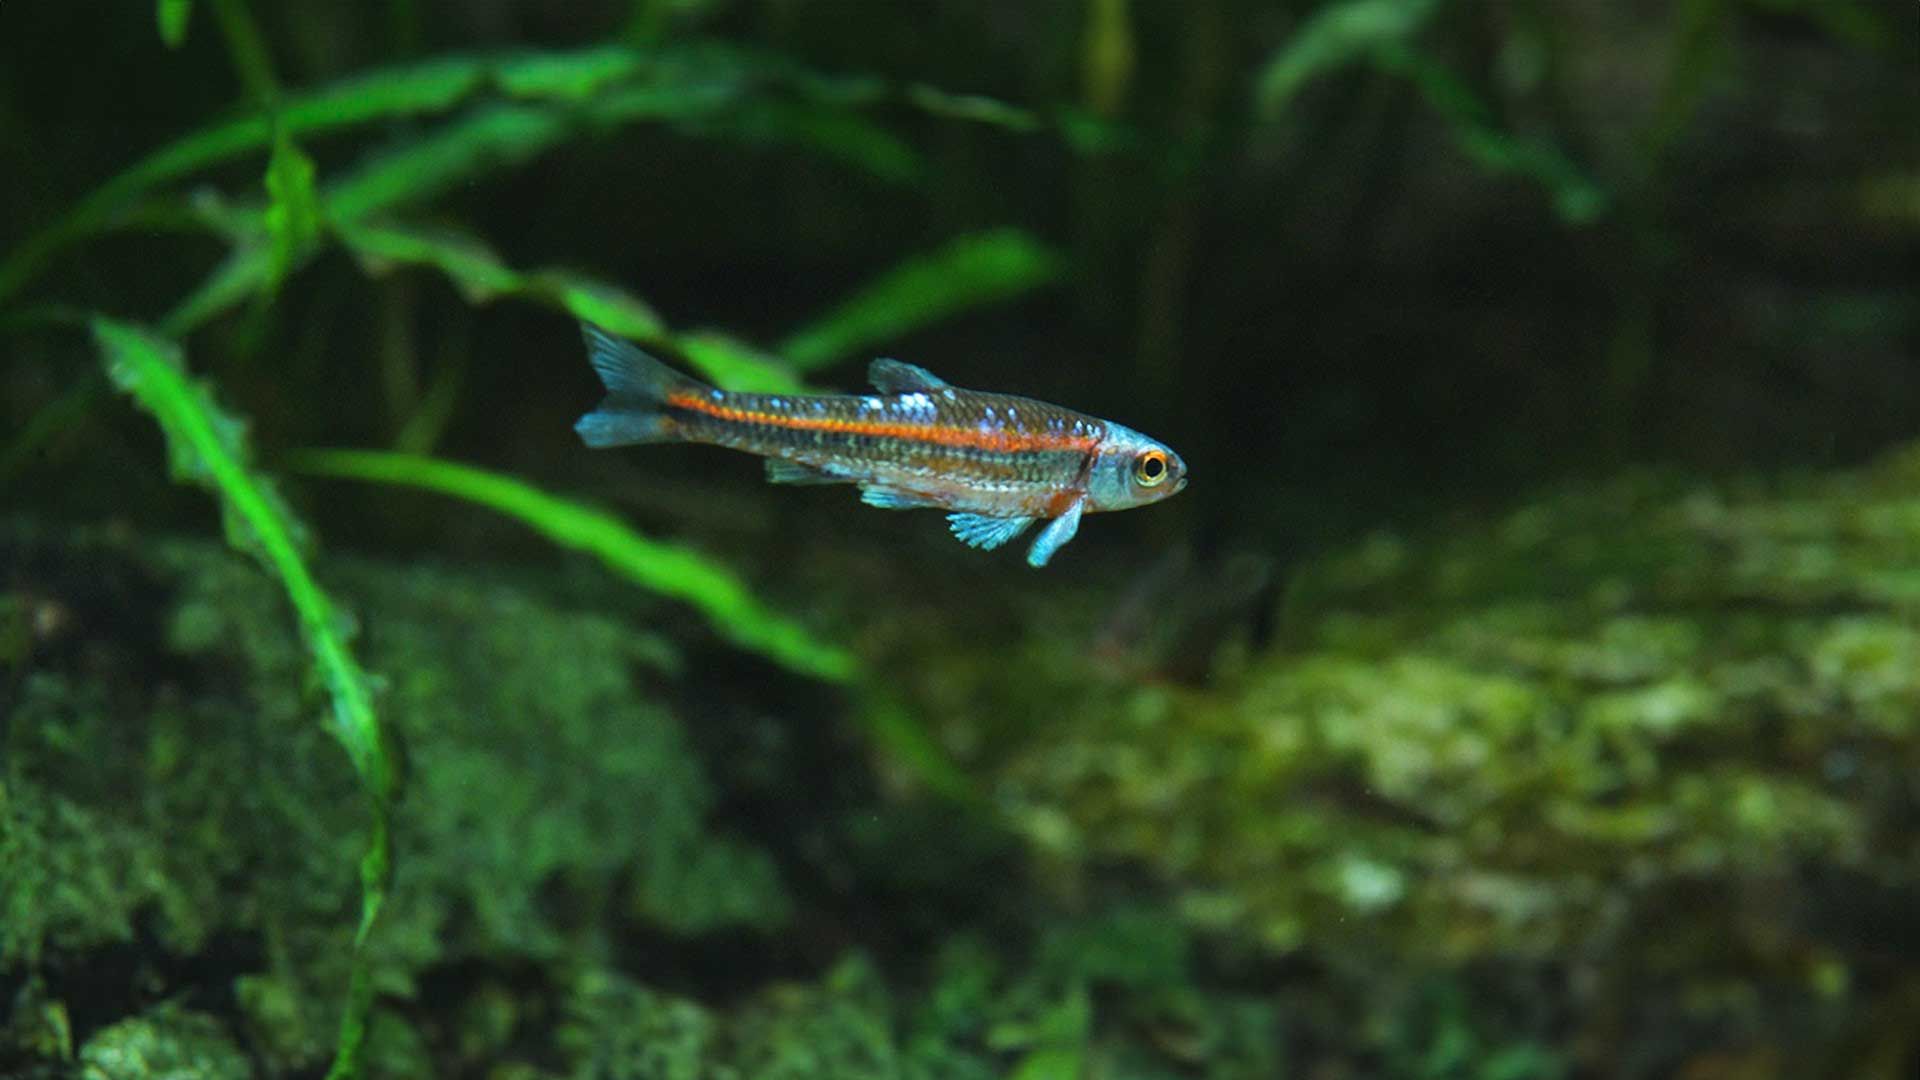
(493, 136)
(293, 210)
(894, 727)
(1577, 198)
(1380, 33)
(481, 276)
(208, 448)
(540, 97)
(973, 107)
(669, 569)
(968, 272)
(1333, 37)
(736, 365)
(245, 272)
(611, 307)
(173, 16)
(830, 129)
(571, 77)
(473, 267)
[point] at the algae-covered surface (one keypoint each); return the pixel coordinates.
(1526, 686)
(1512, 794)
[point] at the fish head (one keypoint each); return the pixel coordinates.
(1131, 470)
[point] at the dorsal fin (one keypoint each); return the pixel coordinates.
(900, 377)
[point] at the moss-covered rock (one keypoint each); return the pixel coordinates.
(1650, 739)
(166, 1044)
(167, 776)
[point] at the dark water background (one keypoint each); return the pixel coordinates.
(1528, 684)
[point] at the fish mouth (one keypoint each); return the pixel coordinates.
(1179, 485)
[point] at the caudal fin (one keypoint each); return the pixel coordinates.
(637, 388)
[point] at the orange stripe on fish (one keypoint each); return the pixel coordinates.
(994, 437)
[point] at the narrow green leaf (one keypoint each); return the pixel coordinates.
(208, 448)
(842, 135)
(669, 569)
(606, 305)
(601, 85)
(472, 266)
(245, 272)
(491, 137)
(968, 272)
(1577, 197)
(293, 209)
(1333, 37)
(173, 16)
(733, 364)
(434, 86)
(972, 107)
(571, 77)
(481, 276)
(248, 49)
(894, 728)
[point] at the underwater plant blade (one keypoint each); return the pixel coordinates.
(173, 17)
(1577, 197)
(482, 276)
(968, 272)
(1333, 37)
(665, 568)
(491, 137)
(294, 219)
(208, 448)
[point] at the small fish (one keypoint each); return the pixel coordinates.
(996, 462)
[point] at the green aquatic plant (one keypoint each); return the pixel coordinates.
(207, 448)
(492, 112)
(668, 569)
(1382, 34)
(968, 271)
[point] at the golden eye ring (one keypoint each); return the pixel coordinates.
(1150, 469)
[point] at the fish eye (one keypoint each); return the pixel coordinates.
(1150, 468)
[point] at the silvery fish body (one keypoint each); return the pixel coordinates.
(996, 462)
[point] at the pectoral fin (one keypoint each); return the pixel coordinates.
(1055, 535)
(986, 533)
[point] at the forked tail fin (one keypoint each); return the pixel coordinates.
(637, 389)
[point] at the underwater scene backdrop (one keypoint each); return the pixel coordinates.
(1526, 684)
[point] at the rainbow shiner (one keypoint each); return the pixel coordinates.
(997, 463)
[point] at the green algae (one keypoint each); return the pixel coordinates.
(190, 799)
(166, 1044)
(1548, 735)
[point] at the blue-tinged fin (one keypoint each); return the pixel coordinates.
(782, 471)
(900, 377)
(636, 385)
(1055, 535)
(891, 498)
(986, 533)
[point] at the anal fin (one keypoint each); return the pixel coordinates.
(782, 471)
(893, 498)
(986, 533)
